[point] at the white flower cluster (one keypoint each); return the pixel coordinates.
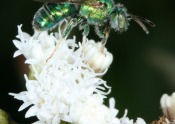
(66, 86)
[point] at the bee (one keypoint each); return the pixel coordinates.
(102, 14)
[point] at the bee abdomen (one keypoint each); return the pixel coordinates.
(50, 14)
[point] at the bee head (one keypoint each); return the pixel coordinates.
(119, 18)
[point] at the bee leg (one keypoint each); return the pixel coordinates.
(102, 32)
(107, 31)
(69, 27)
(85, 28)
(74, 22)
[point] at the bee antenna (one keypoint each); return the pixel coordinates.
(140, 21)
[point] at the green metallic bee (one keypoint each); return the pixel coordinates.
(102, 14)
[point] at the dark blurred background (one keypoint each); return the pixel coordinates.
(143, 68)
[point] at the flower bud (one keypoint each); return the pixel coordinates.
(97, 56)
(168, 106)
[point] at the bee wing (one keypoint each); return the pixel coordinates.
(85, 2)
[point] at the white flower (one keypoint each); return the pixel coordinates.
(36, 50)
(126, 120)
(140, 121)
(93, 111)
(66, 85)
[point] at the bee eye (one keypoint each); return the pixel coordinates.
(120, 16)
(122, 20)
